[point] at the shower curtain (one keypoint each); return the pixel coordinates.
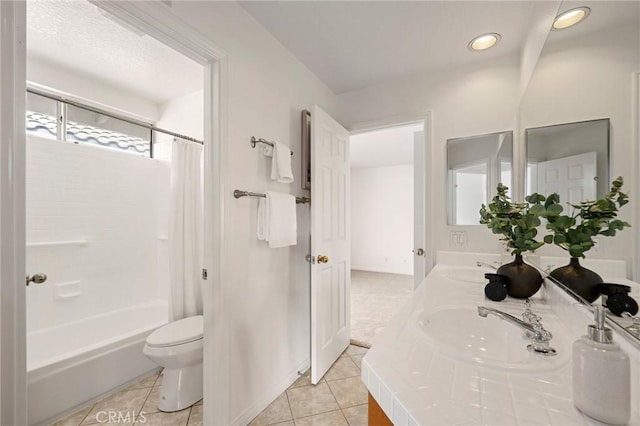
(185, 230)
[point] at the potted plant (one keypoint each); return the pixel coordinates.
(517, 223)
(575, 233)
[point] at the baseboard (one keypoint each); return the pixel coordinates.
(269, 396)
(367, 269)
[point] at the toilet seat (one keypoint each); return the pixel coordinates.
(177, 333)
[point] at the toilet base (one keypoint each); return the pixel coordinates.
(181, 388)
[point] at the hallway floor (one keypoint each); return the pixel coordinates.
(339, 399)
(375, 299)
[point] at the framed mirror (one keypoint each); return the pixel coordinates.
(475, 165)
(570, 159)
(587, 77)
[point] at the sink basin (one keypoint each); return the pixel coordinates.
(460, 333)
(469, 275)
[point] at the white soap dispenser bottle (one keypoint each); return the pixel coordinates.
(601, 376)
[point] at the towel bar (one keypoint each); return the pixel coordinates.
(239, 194)
(254, 141)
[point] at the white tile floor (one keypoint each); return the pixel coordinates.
(339, 399)
(136, 404)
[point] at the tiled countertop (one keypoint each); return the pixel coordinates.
(417, 383)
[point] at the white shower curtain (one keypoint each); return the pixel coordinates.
(185, 230)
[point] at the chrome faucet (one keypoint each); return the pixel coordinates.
(488, 265)
(540, 337)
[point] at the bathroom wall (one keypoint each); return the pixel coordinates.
(382, 219)
(266, 290)
(466, 101)
(96, 93)
(93, 218)
(183, 115)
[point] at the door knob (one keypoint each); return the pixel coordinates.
(419, 252)
(36, 279)
(322, 258)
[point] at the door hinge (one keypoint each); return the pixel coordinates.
(310, 259)
(204, 274)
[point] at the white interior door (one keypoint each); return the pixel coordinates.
(573, 178)
(330, 245)
(13, 393)
(419, 231)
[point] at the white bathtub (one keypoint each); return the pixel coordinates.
(71, 364)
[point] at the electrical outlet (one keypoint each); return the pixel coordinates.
(458, 238)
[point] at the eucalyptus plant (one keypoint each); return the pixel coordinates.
(575, 233)
(516, 222)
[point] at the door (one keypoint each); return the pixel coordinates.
(330, 245)
(419, 231)
(13, 371)
(574, 178)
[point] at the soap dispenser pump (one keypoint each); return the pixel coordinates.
(601, 384)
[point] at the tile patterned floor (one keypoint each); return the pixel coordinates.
(137, 404)
(340, 399)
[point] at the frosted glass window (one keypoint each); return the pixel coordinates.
(41, 116)
(84, 126)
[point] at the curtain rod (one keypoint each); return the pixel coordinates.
(239, 194)
(59, 98)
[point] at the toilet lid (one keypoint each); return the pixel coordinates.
(178, 332)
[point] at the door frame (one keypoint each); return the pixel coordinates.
(399, 120)
(158, 21)
(13, 361)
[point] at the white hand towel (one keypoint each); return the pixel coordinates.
(281, 162)
(277, 220)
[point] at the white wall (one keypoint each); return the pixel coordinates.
(266, 290)
(595, 76)
(382, 219)
(475, 100)
(98, 93)
(111, 200)
(183, 115)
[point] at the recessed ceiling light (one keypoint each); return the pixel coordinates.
(571, 17)
(484, 41)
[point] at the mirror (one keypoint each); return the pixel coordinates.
(475, 165)
(569, 159)
(583, 75)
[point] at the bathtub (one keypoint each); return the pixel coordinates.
(73, 363)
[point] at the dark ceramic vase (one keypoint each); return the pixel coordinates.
(584, 282)
(524, 280)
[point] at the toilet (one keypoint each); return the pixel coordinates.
(177, 347)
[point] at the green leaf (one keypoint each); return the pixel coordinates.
(554, 210)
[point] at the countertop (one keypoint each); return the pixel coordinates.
(417, 381)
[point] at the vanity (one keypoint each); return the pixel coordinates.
(438, 362)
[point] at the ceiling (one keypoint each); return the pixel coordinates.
(353, 44)
(392, 146)
(79, 36)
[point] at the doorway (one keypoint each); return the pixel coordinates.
(383, 203)
(161, 25)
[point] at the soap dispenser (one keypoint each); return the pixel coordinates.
(601, 384)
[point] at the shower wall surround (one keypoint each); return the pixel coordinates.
(96, 224)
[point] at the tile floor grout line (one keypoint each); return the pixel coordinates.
(189, 416)
(88, 412)
(286, 393)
